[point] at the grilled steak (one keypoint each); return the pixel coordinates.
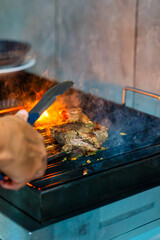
(75, 115)
(86, 136)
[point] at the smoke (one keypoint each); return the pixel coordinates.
(125, 125)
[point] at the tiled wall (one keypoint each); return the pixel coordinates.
(102, 45)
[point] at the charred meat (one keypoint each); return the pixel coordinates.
(75, 115)
(79, 132)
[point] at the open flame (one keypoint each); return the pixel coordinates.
(54, 115)
(43, 116)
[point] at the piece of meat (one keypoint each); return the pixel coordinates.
(101, 133)
(75, 115)
(87, 137)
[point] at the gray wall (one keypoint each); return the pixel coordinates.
(102, 45)
(32, 21)
(96, 44)
(147, 72)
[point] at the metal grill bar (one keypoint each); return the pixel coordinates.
(10, 110)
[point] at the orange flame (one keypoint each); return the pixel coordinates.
(52, 116)
(43, 116)
(10, 110)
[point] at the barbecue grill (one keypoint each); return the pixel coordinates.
(128, 163)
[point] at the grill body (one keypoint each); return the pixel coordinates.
(130, 162)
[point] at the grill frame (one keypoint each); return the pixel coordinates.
(119, 174)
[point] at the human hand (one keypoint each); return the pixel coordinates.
(22, 152)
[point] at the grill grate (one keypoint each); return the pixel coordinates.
(51, 146)
(65, 167)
